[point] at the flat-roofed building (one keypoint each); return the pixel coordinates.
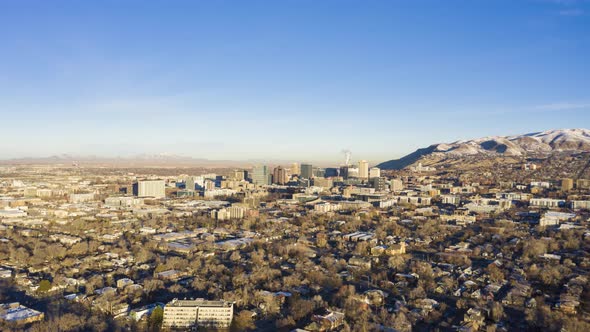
(240, 175)
(374, 172)
(279, 175)
(306, 171)
(196, 313)
(396, 185)
(581, 205)
(19, 314)
(295, 169)
(363, 169)
(81, 198)
(151, 188)
(567, 184)
(261, 176)
(123, 201)
(189, 183)
(583, 184)
(554, 218)
(547, 202)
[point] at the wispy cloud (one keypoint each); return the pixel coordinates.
(566, 2)
(572, 12)
(562, 106)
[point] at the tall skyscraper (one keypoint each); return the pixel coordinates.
(374, 172)
(363, 169)
(331, 172)
(295, 169)
(306, 171)
(319, 172)
(279, 175)
(261, 176)
(344, 171)
(151, 188)
(189, 183)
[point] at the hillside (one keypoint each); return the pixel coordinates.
(547, 142)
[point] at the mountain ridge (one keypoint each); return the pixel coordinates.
(544, 142)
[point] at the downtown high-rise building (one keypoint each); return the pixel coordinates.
(343, 171)
(279, 175)
(306, 171)
(261, 175)
(151, 188)
(240, 175)
(363, 169)
(374, 172)
(295, 169)
(189, 183)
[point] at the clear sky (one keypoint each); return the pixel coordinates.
(301, 79)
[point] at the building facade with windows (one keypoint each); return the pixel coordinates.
(198, 313)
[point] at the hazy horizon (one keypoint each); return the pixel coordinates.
(329, 160)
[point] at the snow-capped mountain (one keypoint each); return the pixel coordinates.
(546, 141)
(518, 145)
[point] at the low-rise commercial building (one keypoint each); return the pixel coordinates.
(199, 312)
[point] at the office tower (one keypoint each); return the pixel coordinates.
(189, 183)
(363, 169)
(374, 172)
(331, 172)
(295, 169)
(240, 175)
(209, 184)
(306, 171)
(567, 184)
(261, 176)
(279, 175)
(151, 188)
(218, 180)
(319, 173)
(380, 184)
(353, 172)
(323, 182)
(344, 172)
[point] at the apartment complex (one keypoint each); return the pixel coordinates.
(151, 188)
(279, 175)
(199, 312)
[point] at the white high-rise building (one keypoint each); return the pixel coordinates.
(196, 313)
(363, 169)
(374, 172)
(151, 188)
(295, 169)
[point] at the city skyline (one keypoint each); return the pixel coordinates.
(295, 165)
(290, 80)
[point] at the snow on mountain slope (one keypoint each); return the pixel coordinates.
(547, 141)
(517, 145)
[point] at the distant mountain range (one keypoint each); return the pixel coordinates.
(545, 142)
(161, 159)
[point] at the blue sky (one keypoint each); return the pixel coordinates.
(299, 80)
